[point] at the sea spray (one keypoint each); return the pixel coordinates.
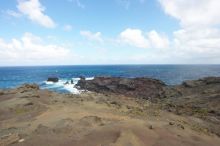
(64, 85)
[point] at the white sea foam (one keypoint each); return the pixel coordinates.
(65, 84)
(90, 78)
(72, 89)
(49, 82)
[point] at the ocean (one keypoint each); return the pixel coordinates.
(11, 77)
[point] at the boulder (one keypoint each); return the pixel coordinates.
(53, 79)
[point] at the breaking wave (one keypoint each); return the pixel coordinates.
(64, 85)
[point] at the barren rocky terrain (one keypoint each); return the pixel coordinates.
(183, 115)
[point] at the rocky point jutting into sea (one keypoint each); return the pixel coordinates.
(115, 112)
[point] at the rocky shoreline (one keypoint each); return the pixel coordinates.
(146, 87)
(135, 87)
(200, 98)
(116, 112)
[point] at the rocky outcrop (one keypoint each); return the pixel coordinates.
(28, 87)
(53, 79)
(201, 82)
(149, 88)
(137, 87)
(199, 98)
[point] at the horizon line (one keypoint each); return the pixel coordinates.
(96, 65)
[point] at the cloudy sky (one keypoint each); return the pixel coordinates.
(69, 32)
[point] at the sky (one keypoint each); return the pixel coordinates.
(87, 32)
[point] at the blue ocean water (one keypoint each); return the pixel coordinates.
(171, 74)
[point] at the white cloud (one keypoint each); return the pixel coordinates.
(157, 40)
(200, 43)
(13, 13)
(67, 27)
(35, 12)
(92, 36)
(198, 39)
(31, 49)
(193, 12)
(136, 38)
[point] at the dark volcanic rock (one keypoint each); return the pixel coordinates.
(192, 84)
(199, 98)
(53, 79)
(201, 82)
(195, 96)
(211, 80)
(137, 87)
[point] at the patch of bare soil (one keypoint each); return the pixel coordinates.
(33, 117)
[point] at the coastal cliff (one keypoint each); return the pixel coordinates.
(116, 112)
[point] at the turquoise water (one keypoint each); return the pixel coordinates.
(171, 74)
